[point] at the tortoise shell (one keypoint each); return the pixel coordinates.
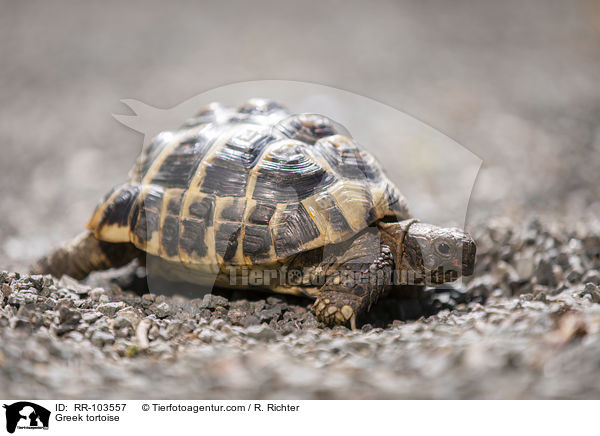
(248, 186)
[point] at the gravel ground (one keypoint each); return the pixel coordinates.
(514, 82)
(528, 326)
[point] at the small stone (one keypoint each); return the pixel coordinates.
(211, 301)
(160, 348)
(206, 336)
(37, 281)
(110, 309)
(74, 336)
(219, 312)
(274, 300)
(480, 287)
(573, 276)
(69, 320)
(257, 306)
(269, 314)
(592, 276)
(141, 334)
(524, 264)
(124, 332)
(130, 315)
(121, 322)
(73, 285)
(20, 298)
(22, 323)
(237, 317)
(204, 314)
(261, 332)
(217, 324)
(100, 338)
(545, 274)
(251, 320)
(162, 310)
(592, 290)
(97, 293)
(90, 317)
(6, 290)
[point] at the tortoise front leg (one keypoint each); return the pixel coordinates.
(354, 282)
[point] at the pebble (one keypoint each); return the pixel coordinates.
(91, 317)
(211, 301)
(100, 338)
(592, 276)
(141, 334)
(162, 310)
(261, 332)
(110, 309)
(97, 294)
(545, 273)
(592, 290)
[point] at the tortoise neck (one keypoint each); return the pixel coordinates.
(393, 234)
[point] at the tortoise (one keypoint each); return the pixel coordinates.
(258, 190)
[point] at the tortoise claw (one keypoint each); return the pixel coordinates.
(332, 313)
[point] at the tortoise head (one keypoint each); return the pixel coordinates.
(437, 255)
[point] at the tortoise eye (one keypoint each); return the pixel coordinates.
(443, 248)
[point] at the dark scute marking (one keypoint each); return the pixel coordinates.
(153, 198)
(170, 235)
(227, 174)
(151, 152)
(147, 223)
(174, 205)
(203, 210)
(243, 149)
(117, 212)
(135, 213)
(192, 237)
(227, 239)
(307, 127)
(371, 214)
(234, 211)
(334, 214)
(262, 213)
(393, 199)
(224, 181)
(349, 160)
(290, 175)
(180, 165)
(295, 229)
(257, 240)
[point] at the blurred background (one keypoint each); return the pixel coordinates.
(516, 83)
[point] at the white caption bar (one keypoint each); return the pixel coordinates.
(164, 417)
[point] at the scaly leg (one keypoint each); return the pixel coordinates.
(83, 255)
(354, 281)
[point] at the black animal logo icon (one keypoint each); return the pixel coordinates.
(26, 414)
